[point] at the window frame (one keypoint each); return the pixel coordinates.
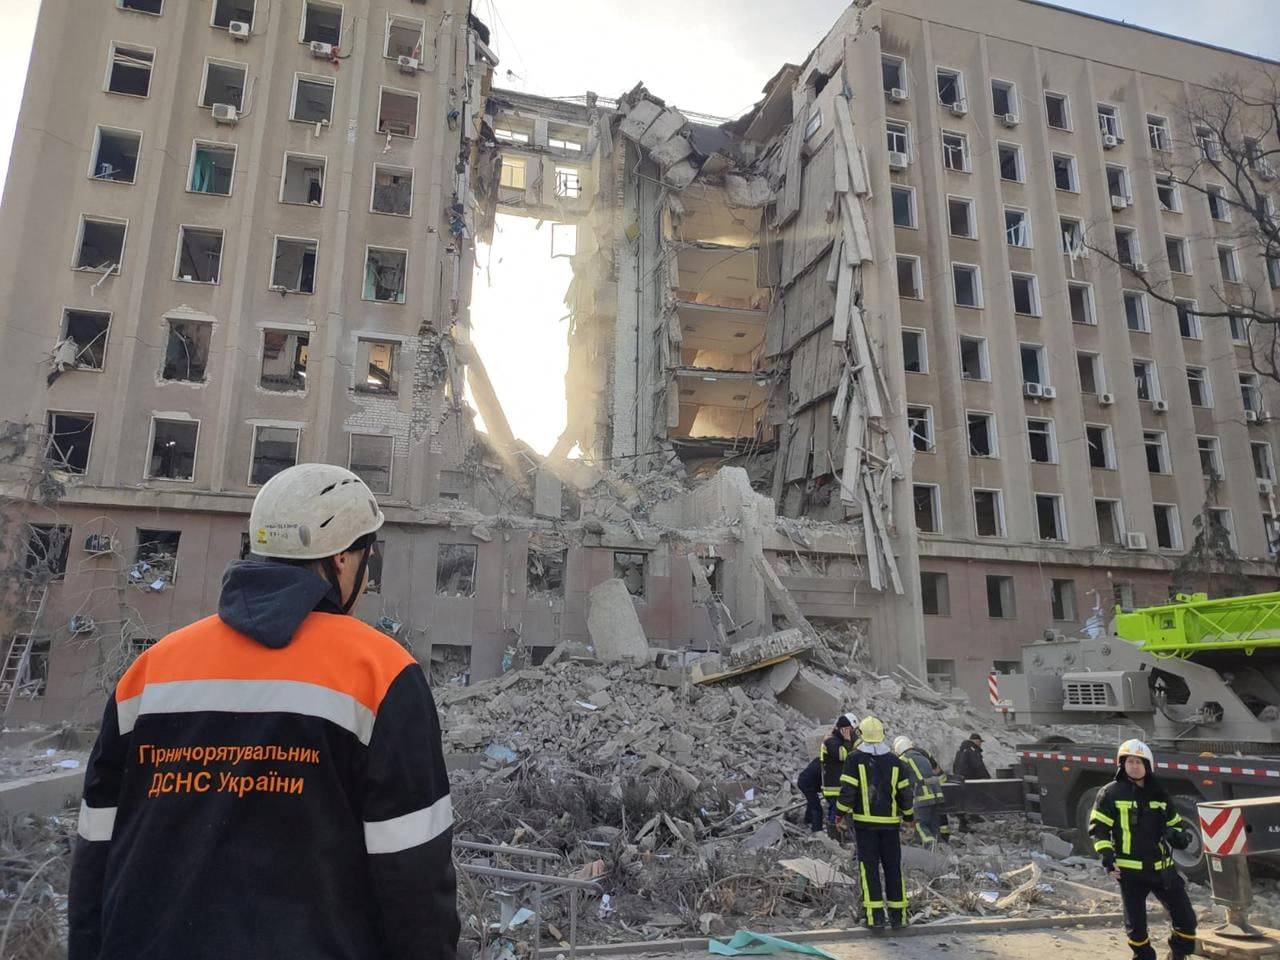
(1042, 362)
(383, 89)
(97, 145)
(89, 415)
(1144, 310)
(997, 495)
(177, 258)
(1059, 516)
(1174, 521)
(898, 129)
(1195, 329)
(299, 77)
(253, 447)
(1011, 89)
(391, 459)
(275, 256)
(1073, 172)
(984, 358)
(151, 446)
(364, 269)
(916, 275)
(1114, 116)
(1159, 135)
(1099, 373)
(196, 144)
(1019, 161)
(1161, 445)
(930, 437)
(993, 435)
(1090, 304)
(1067, 126)
(1175, 194)
(204, 81)
(971, 215)
(903, 74)
(923, 350)
(342, 19)
(1232, 261)
(935, 507)
(1214, 451)
(373, 187)
(1051, 439)
(386, 35)
(124, 243)
(1184, 255)
(1206, 387)
(958, 75)
(63, 332)
(1269, 458)
(910, 192)
(976, 270)
(1034, 289)
(146, 13)
(1108, 446)
(213, 14)
(1117, 522)
(1027, 227)
(1003, 580)
(1216, 192)
(112, 48)
(1152, 380)
(947, 150)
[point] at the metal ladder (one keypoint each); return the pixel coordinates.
(19, 656)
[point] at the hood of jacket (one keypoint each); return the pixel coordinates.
(268, 601)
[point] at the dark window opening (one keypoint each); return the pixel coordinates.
(294, 270)
(987, 514)
(456, 570)
(157, 557)
(313, 101)
(130, 71)
(545, 572)
(392, 190)
(143, 6)
(631, 568)
(27, 662)
(70, 436)
(274, 449)
(284, 360)
(913, 351)
(225, 11)
(199, 255)
(48, 546)
(173, 450)
(1049, 517)
(935, 594)
(1099, 449)
(925, 501)
(377, 360)
(371, 460)
(224, 83)
(101, 245)
(87, 329)
(973, 364)
(1010, 168)
(981, 435)
(1108, 525)
(303, 180)
(450, 664)
(186, 355)
(321, 21)
(404, 38)
(373, 583)
(384, 275)
(1056, 107)
(398, 113)
(1000, 603)
(117, 155)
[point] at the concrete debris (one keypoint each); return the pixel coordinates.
(818, 872)
(1055, 846)
(614, 626)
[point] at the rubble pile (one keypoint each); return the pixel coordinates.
(679, 800)
(35, 866)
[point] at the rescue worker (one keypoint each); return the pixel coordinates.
(810, 784)
(832, 755)
(269, 782)
(875, 794)
(969, 765)
(1133, 826)
(926, 789)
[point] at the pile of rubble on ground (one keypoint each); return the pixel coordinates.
(35, 867)
(678, 797)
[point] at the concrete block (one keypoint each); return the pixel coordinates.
(547, 501)
(1055, 846)
(681, 175)
(670, 152)
(668, 124)
(813, 696)
(44, 795)
(614, 626)
(780, 676)
(766, 835)
(639, 119)
(924, 861)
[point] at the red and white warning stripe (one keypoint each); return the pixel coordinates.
(993, 688)
(1223, 830)
(1110, 761)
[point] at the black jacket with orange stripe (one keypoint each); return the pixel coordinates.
(267, 783)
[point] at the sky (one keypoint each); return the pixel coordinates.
(710, 56)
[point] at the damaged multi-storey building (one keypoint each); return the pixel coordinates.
(828, 362)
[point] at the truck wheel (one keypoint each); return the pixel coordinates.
(1191, 862)
(1084, 807)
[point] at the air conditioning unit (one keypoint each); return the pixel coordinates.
(1160, 406)
(1266, 487)
(1110, 141)
(1009, 119)
(99, 543)
(1251, 416)
(897, 95)
(1119, 203)
(1048, 392)
(407, 64)
(225, 113)
(1138, 267)
(1135, 541)
(239, 29)
(321, 49)
(1032, 390)
(1106, 399)
(960, 108)
(898, 161)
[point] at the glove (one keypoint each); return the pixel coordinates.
(1178, 839)
(1108, 862)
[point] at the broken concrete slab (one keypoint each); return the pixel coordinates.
(1055, 846)
(925, 861)
(639, 118)
(817, 872)
(765, 836)
(751, 655)
(813, 696)
(671, 152)
(781, 675)
(547, 495)
(667, 126)
(681, 174)
(614, 626)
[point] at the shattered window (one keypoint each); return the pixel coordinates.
(1025, 297)
(1000, 597)
(115, 155)
(456, 570)
(1145, 379)
(27, 661)
(1010, 162)
(224, 83)
(450, 665)
(631, 568)
(156, 561)
(1056, 108)
(313, 99)
(909, 278)
(1004, 99)
(1107, 514)
(101, 245)
(1210, 452)
(1080, 297)
(1188, 319)
(87, 329)
(404, 38)
(1168, 528)
(968, 288)
(1017, 227)
(370, 460)
(1167, 194)
(303, 180)
(1118, 182)
(130, 70)
(914, 355)
(321, 21)
(568, 182)
(927, 508)
(392, 190)
(48, 546)
(893, 74)
(199, 255)
(545, 572)
(274, 449)
(1135, 311)
(70, 436)
(1228, 265)
(284, 360)
(226, 11)
(950, 88)
(973, 358)
(904, 207)
(294, 266)
(1098, 439)
(1158, 133)
(1126, 246)
(186, 354)
(374, 582)
(920, 425)
(384, 278)
(376, 360)
(955, 152)
(1041, 441)
(398, 113)
(1264, 467)
(935, 595)
(212, 166)
(1176, 249)
(988, 513)
(1157, 451)
(1090, 374)
(1064, 172)
(173, 449)
(982, 435)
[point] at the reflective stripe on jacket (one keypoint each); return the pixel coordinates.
(925, 784)
(875, 790)
(834, 752)
(1128, 822)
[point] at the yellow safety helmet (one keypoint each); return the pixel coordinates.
(1135, 748)
(871, 730)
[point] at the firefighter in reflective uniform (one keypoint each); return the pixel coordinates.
(835, 749)
(1134, 825)
(926, 786)
(875, 795)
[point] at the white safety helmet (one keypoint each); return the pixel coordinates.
(311, 511)
(902, 744)
(1135, 748)
(853, 721)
